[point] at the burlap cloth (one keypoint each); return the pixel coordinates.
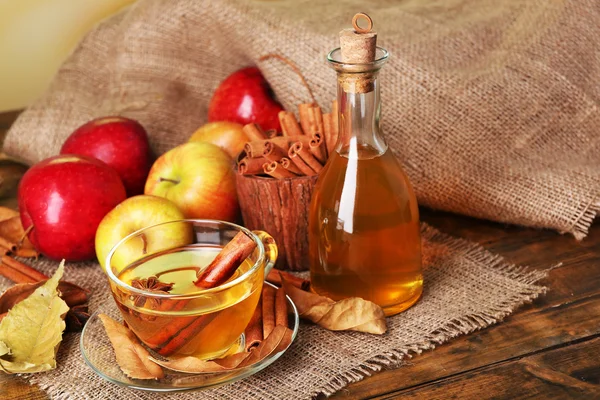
(492, 106)
(466, 288)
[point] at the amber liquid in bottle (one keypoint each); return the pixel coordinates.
(364, 234)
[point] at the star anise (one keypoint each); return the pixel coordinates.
(151, 284)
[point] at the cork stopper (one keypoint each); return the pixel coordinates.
(358, 45)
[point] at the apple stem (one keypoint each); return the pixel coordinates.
(145, 248)
(168, 180)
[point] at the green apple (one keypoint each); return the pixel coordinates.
(199, 178)
(134, 214)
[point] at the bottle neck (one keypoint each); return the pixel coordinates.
(359, 112)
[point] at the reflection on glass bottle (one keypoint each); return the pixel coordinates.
(364, 232)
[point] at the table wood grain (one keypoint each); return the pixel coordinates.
(549, 349)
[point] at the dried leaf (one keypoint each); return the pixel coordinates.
(352, 314)
(5, 352)
(6, 213)
(33, 328)
(132, 357)
(11, 229)
(72, 294)
(279, 339)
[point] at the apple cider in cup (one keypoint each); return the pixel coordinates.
(176, 318)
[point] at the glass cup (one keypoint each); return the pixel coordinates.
(183, 320)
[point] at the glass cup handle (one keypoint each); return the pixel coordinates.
(270, 250)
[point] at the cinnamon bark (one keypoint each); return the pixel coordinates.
(272, 152)
(317, 148)
(281, 312)
(302, 151)
(289, 124)
(23, 268)
(252, 166)
(226, 262)
(277, 171)
(254, 132)
(268, 310)
(254, 330)
(275, 277)
(290, 166)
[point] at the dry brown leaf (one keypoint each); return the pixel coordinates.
(279, 339)
(6, 213)
(352, 314)
(132, 357)
(11, 229)
(72, 294)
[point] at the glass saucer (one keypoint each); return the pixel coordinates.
(99, 355)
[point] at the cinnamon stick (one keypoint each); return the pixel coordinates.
(226, 262)
(335, 123)
(316, 120)
(328, 133)
(23, 268)
(303, 112)
(281, 312)
(268, 310)
(290, 166)
(277, 171)
(300, 164)
(317, 147)
(252, 166)
(301, 150)
(14, 275)
(282, 142)
(275, 277)
(4, 251)
(254, 132)
(175, 335)
(271, 133)
(254, 330)
(273, 152)
(289, 124)
(255, 148)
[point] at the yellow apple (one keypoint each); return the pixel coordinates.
(199, 178)
(136, 213)
(227, 135)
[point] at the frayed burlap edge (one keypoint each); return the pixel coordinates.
(582, 225)
(464, 325)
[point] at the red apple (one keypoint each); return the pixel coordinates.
(227, 135)
(120, 142)
(64, 198)
(199, 178)
(244, 97)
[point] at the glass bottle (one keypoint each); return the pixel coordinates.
(364, 235)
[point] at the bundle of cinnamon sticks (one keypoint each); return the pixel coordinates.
(301, 149)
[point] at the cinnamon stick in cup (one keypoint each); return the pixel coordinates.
(252, 166)
(255, 148)
(317, 147)
(303, 111)
(273, 152)
(290, 166)
(254, 132)
(289, 124)
(277, 171)
(302, 151)
(175, 335)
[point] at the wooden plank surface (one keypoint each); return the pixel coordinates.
(549, 349)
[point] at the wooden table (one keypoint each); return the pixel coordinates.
(548, 350)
